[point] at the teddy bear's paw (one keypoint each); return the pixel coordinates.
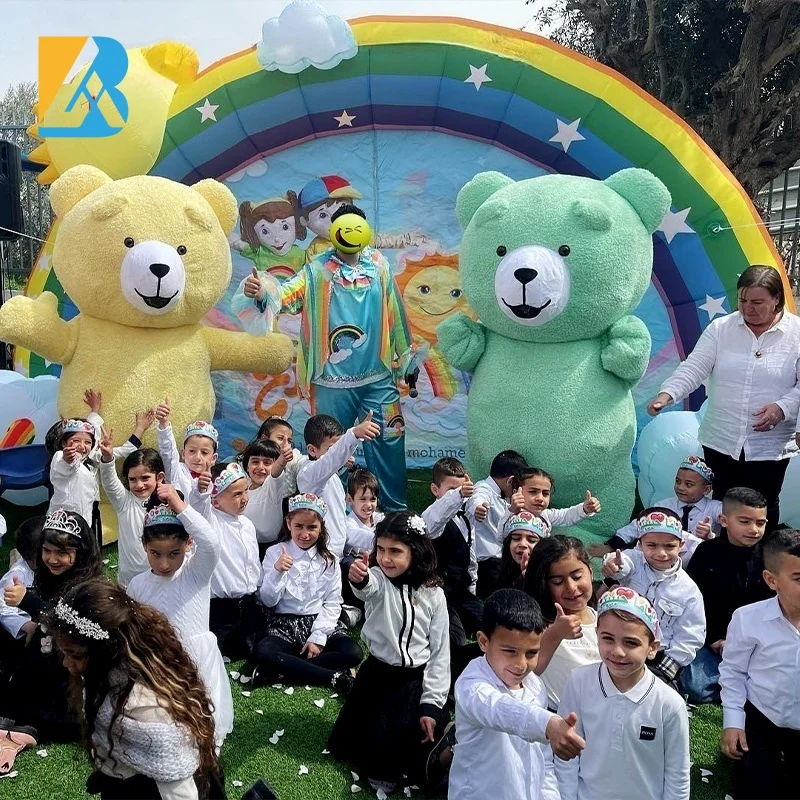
(462, 341)
(627, 352)
(281, 351)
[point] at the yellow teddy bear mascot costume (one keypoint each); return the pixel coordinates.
(143, 259)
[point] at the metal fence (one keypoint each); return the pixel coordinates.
(778, 205)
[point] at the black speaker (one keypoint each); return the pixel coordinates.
(10, 188)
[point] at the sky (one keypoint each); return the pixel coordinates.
(215, 28)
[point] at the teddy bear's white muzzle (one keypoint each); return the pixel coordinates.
(531, 284)
(153, 277)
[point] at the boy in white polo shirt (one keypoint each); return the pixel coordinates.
(760, 679)
(502, 722)
(635, 726)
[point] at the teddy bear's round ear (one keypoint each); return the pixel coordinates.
(475, 193)
(646, 193)
(75, 184)
(221, 200)
(591, 214)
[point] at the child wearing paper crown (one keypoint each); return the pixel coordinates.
(37, 693)
(235, 615)
(139, 695)
(522, 532)
(654, 570)
(636, 728)
(301, 581)
(394, 717)
(179, 586)
(198, 454)
(692, 502)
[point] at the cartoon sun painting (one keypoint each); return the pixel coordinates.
(431, 288)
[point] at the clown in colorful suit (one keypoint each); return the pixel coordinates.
(353, 333)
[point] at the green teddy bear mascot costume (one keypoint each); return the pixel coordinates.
(553, 266)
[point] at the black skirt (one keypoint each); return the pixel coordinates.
(296, 628)
(141, 787)
(378, 729)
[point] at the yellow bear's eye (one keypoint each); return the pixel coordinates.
(181, 250)
(128, 242)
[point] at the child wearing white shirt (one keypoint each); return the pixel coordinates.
(654, 570)
(16, 625)
(363, 493)
(760, 679)
(235, 615)
(692, 502)
(265, 463)
(636, 728)
(301, 581)
(280, 432)
(198, 454)
(502, 722)
(329, 448)
(486, 509)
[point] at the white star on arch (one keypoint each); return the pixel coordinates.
(207, 111)
(674, 222)
(345, 120)
(478, 76)
(713, 306)
(567, 133)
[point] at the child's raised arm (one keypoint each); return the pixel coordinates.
(444, 508)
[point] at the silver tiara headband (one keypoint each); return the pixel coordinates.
(84, 626)
(60, 520)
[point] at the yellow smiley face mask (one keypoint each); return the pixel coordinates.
(350, 233)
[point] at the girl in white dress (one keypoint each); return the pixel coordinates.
(179, 585)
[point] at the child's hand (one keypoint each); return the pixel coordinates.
(599, 550)
(428, 725)
(71, 455)
(252, 286)
(612, 566)
(591, 505)
(734, 743)
(703, 529)
(311, 650)
(287, 454)
(144, 419)
(655, 406)
(367, 429)
(718, 646)
(517, 501)
(523, 564)
(563, 739)
(29, 628)
(163, 412)
(359, 569)
(350, 464)
(13, 594)
(481, 512)
(167, 493)
(467, 488)
(204, 480)
(93, 399)
(106, 444)
(285, 561)
(566, 626)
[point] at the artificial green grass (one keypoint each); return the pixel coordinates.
(248, 753)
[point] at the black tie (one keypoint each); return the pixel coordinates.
(463, 517)
(685, 517)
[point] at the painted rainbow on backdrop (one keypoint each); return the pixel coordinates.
(412, 73)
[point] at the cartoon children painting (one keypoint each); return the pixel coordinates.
(320, 198)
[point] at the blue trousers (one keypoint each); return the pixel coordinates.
(386, 454)
(700, 679)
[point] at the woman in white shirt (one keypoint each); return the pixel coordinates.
(751, 359)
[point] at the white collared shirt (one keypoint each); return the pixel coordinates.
(740, 382)
(502, 752)
(761, 663)
(11, 617)
(675, 598)
(487, 544)
(361, 537)
(265, 508)
(310, 586)
(320, 477)
(445, 509)
(637, 742)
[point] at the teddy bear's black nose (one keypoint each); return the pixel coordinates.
(523, 274)
(160, 270)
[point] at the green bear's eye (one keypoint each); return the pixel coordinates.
(501, 251)
(564, 250)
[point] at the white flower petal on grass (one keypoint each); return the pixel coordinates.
(705, 780)
(355, 776)
(706, 772)
(335, 694)
(260, 711)
(226, 660)
(308, 688)
(246, 694)
(105, 561)
(234, 675)
(319, 703)
(237, 783)
(274, 739)
(302, 771)
(355, 788)
(244, 679)
(10, 774)
(380, 794)
(289, 690)
(280, 732)
(407, 791)
(277, 686)
(42, 753)
(326, 752)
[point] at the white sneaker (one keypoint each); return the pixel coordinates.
(351, 616)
